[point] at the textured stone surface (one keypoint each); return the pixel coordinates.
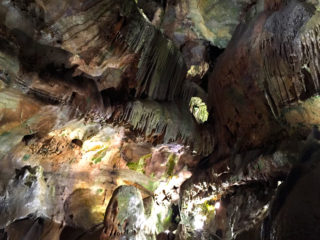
(213, 21)
(80, 59)
(270, 66)
(98, 138)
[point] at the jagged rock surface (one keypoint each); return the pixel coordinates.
(259, 82)
(95, 95)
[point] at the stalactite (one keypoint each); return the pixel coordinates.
(161, 66)
(164, 121)
(100, 35)
(295, 59)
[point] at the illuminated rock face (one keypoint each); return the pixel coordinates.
(129, 120)
(124, 215)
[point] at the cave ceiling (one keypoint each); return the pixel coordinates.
(159, 119)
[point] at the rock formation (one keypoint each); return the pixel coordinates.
(159, 119)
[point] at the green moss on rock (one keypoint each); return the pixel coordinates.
(171, 163)
(199, 109)
(99, 155)
(140, 165)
